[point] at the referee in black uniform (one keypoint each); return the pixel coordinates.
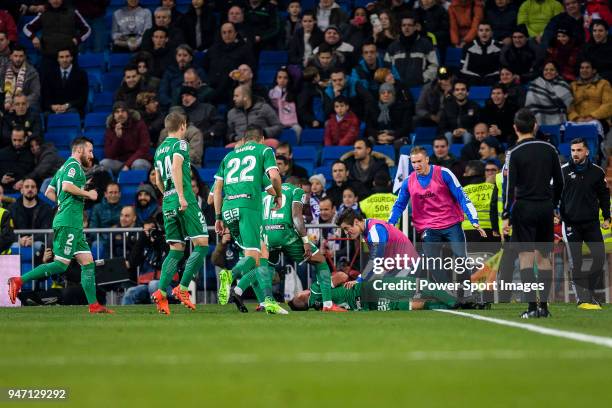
(584, 194)
(529, 206)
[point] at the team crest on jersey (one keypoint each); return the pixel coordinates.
(71, 172)
(67, 250)
(183, 145)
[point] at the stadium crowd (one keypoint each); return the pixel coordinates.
(340, 88)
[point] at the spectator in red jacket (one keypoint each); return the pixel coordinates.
(342, 127)
(126, 141)
(564, 51)
(8, 26)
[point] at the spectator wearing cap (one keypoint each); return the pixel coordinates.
(444, 158)
(328, 13)
(592, 97)
(464, 17)
(148, 107)
(549, 96)
(317, 193)
(471, 150)
(499, 112)
(369, 65)
(126, 141)
(392, 119)
(432, 97)
(332, 36)
(202, 115)
(414, 57)
(193, 136)
(564, 51)
(65, 88)
(342, 126)
(490, 149)
(173, 76)
(162, 18)
(535, 14)
(133, 84)
(262, 17)
(599, 49)
(363, 164)
(522, 56)
(146, 203)
(571, 19)
(502, 16)
(129, 25)
(459, 114)
(252, 111)
(306, 38)
(224, 56)
(480, 58)
(199, 25)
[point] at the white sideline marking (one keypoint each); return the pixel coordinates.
(587, 338)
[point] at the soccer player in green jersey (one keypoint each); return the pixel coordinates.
(67, 188)
(284, 232)
(242, 176)
(183, 219)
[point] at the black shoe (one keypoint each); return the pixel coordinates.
(543, 312)
(238, 302)
(530, 314)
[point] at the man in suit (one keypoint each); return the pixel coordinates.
(65, 88)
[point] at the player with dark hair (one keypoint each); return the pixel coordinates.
(68, 188)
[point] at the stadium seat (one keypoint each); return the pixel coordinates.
(424, 135)
(325, 171)
(586, 131)
(64, 121)
(111, 81)
(317, 110)
(266, 77)
(272, 59)
(453, 57)
(64, 153)
(415, 92)
(128, 194)
(103, 102)
(94, 80)
(118, 61)
(288, 136)
(214, 155)
(565, 150)
(132, 177)
(455, 149)
(387, 150)
(332, 153)
(208, 175)
(99, 152)
(93, 61)
(96, 136)
(480, 94)
(554, 131)
(96, 120)
(305, 156)
(312, 137)
(61, 138)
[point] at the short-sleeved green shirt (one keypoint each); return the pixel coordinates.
(243, 172)
(164, 156)
(69, 207)
(291, 194)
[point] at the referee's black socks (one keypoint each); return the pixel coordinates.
(545, 277)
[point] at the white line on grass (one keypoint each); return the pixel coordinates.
(565, 334)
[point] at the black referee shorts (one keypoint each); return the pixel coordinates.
(533, 226)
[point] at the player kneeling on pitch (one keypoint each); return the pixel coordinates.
(67, 188)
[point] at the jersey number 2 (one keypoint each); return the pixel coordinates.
(247, 164)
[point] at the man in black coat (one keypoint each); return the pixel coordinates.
(23, 116)
(65, 88)
(341, 180)
(47, 159)
(363, 166)
(28, 212)
(458, 115)
(498, 113)
(16, 160)
(222, 58)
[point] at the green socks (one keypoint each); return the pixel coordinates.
(264, 277)
(193, 265)
(244, 265)
(169, 269)
(45, 271)
(324, 279)
(88, 282)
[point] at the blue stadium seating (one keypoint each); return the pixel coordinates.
(325, 171)
(288, 136)
(128, 194)
(266, 77)
(61, 139)
(480, 94)
(565, 150)
(312, 137)
(453, 57)
(208, 175)
(272, 59)
(387, 150)
(64, 121)
(305, 156)
(415, 91)
(332, 153)
(111, 81)
(118, 61)
(554, 131)
(96, 136)
(317, 110)
(99, 152)
(92, 61)
(64, 153)
(96, 120)
(585, 131)
(214, 155)
(455, 149)
(132, 177)
(424, 135)
(94, 81)
(103, 102)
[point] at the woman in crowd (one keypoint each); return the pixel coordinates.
(549, 96)
(282, 96)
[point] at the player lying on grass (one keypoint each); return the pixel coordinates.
(239, 183)
(284, 232)
(183, 219)
(68, 188)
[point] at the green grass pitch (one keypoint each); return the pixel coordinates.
(216, 357)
